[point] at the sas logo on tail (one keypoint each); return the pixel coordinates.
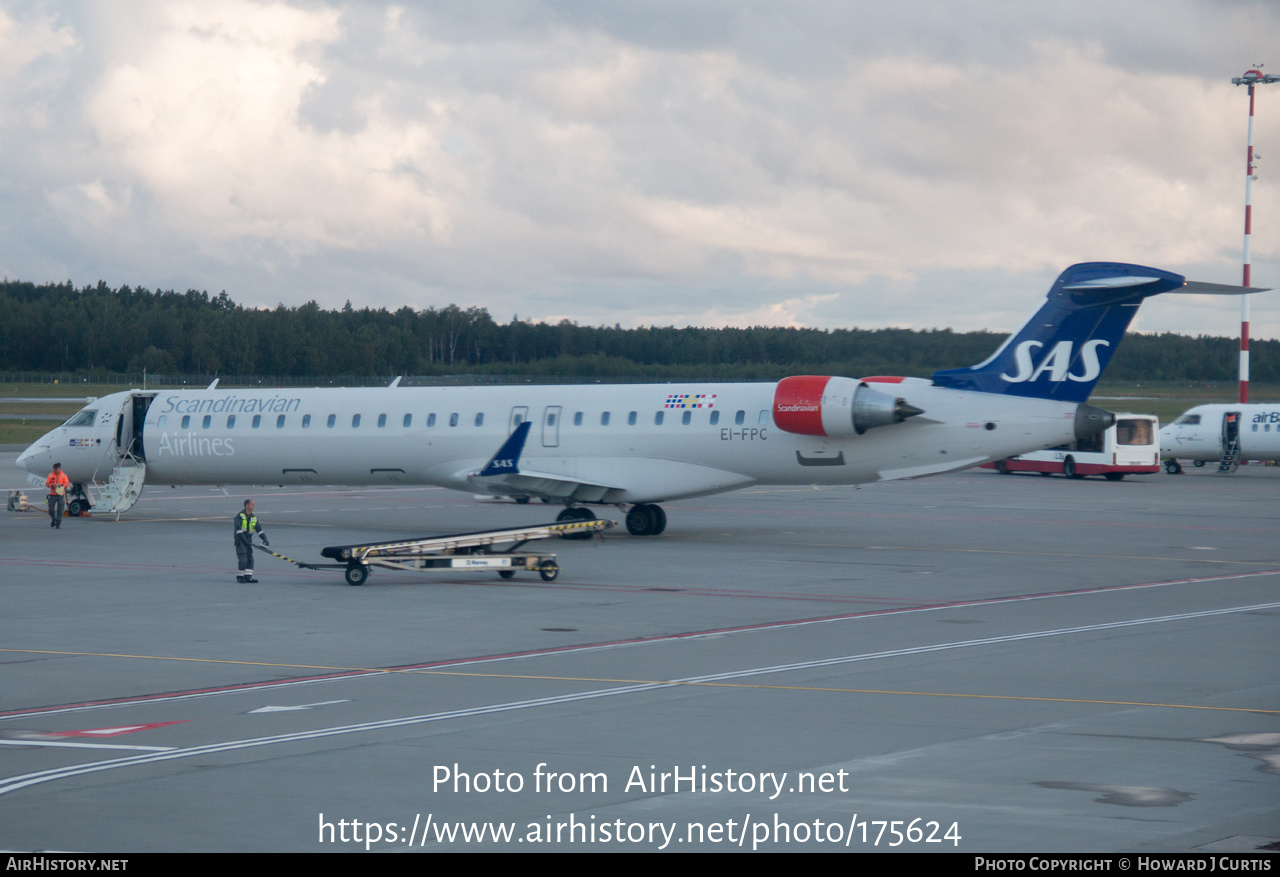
(1057, 362)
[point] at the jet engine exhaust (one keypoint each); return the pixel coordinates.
(871, 408)
(1090, 421)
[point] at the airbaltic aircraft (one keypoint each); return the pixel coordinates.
(1231, 432)
(629, 446)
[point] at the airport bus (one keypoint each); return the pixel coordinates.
(1131, 446)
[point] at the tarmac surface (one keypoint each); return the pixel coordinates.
(973, 663)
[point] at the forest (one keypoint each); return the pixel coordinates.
(99, 330)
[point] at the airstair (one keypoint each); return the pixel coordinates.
(1230, 458)
(123, 487)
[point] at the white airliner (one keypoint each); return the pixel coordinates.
(630, 446)
(1224, 434)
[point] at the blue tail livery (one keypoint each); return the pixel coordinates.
(1062, 350)
(507, 460)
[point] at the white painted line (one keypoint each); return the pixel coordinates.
(61, 745)
(303, 706)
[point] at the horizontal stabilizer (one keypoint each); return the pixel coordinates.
(1198, 288)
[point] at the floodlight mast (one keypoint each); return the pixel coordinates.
(1251, 79)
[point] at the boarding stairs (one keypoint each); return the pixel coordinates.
(1230, 458)
(124, 486)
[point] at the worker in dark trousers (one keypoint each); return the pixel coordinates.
(246, 524)
(58, 484)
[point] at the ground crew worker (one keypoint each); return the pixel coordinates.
(58, 484)
(246, 524)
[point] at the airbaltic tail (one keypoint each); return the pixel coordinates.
(630, 446)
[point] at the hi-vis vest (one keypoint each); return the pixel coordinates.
(245, 525)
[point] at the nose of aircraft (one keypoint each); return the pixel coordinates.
(33, 459)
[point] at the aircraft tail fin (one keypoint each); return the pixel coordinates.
(1063, 349)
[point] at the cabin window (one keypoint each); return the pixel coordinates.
(280, 421)
(408, 421)
(306, 421)
(453, 419)
(207, 421)
(551, 418)
(355, 421)
(631, 418)
(382, 421)
(480, 419)
(164, 419)
(333, 421)
(604, 418)
(257, 421)
(85, 418)
(657, 418)
(687, 418)
(186, 420)
(764, 417)
(431, 419)
(740, 418)
(577, 418)
(231, 421)
(1189, 419)
(715, 417)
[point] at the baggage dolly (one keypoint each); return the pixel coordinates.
(456, 551)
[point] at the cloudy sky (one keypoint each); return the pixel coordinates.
(925, 164)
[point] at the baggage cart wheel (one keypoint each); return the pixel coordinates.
(549, 571)
(507, 573)
(357, 574)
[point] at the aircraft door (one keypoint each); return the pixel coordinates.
(551, 426)
(1230, 429)
(130, 423)
(519, 414)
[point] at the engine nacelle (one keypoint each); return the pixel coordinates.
(834, 407)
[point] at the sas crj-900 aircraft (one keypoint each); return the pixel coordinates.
(629, 446)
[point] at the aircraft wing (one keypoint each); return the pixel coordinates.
(541, 484)
(503, 476)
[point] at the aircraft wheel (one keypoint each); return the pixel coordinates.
(641, 520)
(507, 573)
(1002, 467)
(660, 520)
(1115, 476)
(1172, 466)
(578, 514)
(1199, 464)
(77, 507)
(357, 574)
(523, 500)
(549, 571)
(1069, 468)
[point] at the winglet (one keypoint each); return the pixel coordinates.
(506, 461)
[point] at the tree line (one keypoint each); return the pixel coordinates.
(100, 330)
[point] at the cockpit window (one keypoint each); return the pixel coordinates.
(84, 418)
(1189, 419)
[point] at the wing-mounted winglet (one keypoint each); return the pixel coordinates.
(1062, 350)
(507, 460)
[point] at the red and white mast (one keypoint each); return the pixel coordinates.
(1251, 78)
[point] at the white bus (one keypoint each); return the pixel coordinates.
(1130, 447)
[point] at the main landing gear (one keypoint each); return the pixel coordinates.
(576, 514)
(644, 519)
